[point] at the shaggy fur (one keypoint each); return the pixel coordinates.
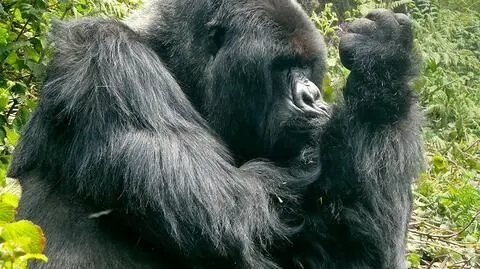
(196, 137)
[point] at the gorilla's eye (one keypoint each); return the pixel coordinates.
(217, 38)
(292, 61)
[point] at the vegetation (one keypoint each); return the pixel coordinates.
(445, 228)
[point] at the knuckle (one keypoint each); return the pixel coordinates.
(403, 19)
(349, 38)
(362, 25)
(379, 14)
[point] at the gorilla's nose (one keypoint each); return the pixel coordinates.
(308, 98)
(310, 93)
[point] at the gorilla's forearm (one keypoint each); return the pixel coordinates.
(380, 121)
(370, 150)
(378, 99)
(362, 196)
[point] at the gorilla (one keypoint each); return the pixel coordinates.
(195, 135)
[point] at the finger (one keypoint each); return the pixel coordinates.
(349, 47)
(362, 26)
(352, 41)
(385, 19)
(406, 31)
(403, 19)
(378, 14)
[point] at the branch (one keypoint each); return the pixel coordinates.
(23, 29)
(10, 111)
(430, 235)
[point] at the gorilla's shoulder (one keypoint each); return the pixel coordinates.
(71, 36)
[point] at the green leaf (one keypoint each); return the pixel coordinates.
(21, 118)
(18, 88)
(3, 101)
(470, 239)
(3, 177)
(3, 36)
(327, 89)
(3, 134)
(12, 58)
(37, 44)
(31, 104)
(26, 9)
(31, 256)
(32, 54)
(37, 69)
(40, 257)
(414, 259)
(438, 162)
(12, 136)
(474, 164)
(7, 213)
(18, 15)
(9, 199)
(28, 235)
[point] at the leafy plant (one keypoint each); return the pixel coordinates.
(21, 241)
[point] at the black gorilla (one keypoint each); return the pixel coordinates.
(196, 137)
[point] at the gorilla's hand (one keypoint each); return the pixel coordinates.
(380, 43)
(378, 49)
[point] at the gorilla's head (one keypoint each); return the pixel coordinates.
(250, 67)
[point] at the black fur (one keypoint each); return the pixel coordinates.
(196, 138)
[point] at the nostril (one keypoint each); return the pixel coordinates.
(316, 94)
(311, 94)
(308, 98)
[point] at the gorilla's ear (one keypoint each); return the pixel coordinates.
(216, 37)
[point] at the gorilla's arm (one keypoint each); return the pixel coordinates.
(113, 126)
(378, 51)
(370, 151)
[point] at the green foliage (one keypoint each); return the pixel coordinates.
(445, 229)
(21, 241)
(328, 24)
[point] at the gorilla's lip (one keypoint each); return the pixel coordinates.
(315, 110)
(322, 109)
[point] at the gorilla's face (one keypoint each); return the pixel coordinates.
(249, 66)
